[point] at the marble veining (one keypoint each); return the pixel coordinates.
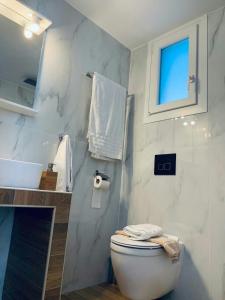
(191, 204)
(216, 31)
(73, 47)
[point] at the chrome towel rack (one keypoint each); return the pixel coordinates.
(91, 74)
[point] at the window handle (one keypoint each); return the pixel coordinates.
(192, 79)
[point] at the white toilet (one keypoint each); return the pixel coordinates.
(143, 269)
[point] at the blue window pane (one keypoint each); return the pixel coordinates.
(174, 72)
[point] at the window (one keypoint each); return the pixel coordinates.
(177, 73)
(174, 69)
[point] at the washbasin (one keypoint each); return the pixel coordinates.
(20, 174)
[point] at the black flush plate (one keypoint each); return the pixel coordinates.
(165, 164)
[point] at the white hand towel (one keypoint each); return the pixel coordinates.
(143, 232)
(106, 119)
(63, 165)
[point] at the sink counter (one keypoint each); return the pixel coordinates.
(57, 208)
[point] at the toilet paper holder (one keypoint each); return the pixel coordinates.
(104, 176)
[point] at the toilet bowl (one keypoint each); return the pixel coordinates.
(142, 269)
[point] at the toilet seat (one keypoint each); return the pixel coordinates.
(127, 242)
(124, 245)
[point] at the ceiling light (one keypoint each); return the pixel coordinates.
(192, 123)
(27, 33)
(185, 123)
(22, 15)
(34, 27)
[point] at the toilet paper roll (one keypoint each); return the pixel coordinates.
(99, 183)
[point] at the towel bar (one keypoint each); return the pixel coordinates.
(61, 137)
(91, 74)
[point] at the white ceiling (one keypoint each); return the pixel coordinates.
(134, 22)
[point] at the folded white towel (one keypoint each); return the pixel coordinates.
(143, 232)
(106, 119)
(63, 165)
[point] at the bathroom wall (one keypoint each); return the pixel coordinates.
(74, 46)
(190, 205)
(6, 224)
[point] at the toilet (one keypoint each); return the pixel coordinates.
(142, 269)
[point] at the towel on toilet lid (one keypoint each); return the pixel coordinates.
(169, 243)
(143, 232)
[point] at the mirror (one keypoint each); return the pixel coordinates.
(19, 65)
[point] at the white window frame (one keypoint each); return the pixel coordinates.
(196, 102)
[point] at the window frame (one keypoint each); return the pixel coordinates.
(196, 31)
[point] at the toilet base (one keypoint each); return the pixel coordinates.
(147, 277)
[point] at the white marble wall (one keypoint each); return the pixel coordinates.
(191, 204)
(74, 46)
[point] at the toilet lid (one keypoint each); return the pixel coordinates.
(127, 242)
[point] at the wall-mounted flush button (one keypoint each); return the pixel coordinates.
(165, 164)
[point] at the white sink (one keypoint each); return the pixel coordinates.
(20, 174)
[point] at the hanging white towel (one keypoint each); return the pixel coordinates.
(143, 232)
(106, 119)
(63, 165)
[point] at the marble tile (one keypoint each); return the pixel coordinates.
(90, 228)
(74, 46)
(191, 204)
(216, 149)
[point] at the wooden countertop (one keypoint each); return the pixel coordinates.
(34, 190)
